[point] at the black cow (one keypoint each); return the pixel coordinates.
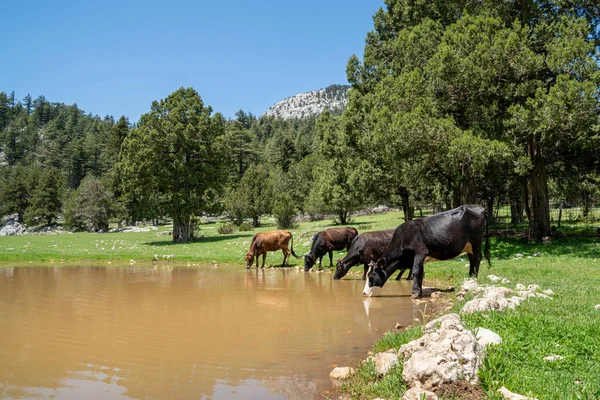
(440, 237)
(326, 242)
(366, 247)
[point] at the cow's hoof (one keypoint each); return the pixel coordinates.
(336, 279)
(416, 295)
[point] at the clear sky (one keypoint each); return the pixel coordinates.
(116, 57)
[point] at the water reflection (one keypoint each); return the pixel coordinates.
(165, 332)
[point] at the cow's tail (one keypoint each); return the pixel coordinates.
(292, 248)
(486, 250)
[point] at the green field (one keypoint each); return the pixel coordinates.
(212, 247)
(568, 325)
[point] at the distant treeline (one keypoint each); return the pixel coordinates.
(469, 102)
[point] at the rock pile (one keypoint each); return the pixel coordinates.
(446, 353)
(11, 226)
(497, 298)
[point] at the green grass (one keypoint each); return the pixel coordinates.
(144, 246)
(568, 325)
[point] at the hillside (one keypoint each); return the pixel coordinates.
(334, 98)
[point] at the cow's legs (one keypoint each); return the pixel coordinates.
(366, 270)
(474, 261)
(418, 273)
(264, 257)
(286, 255)
(399, 275)
(330, 258)
(320, 262)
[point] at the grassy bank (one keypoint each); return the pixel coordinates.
(568, 325)
(145, 246)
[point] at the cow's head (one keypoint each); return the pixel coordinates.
(249, 259)
(340, 270)
(309, 260)
(376, 277)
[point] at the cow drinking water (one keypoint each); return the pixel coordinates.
(440, 237)
(270, 241)
(366, 247)
(326, 242)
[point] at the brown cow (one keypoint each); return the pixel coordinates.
(269, 241)
(326, 242)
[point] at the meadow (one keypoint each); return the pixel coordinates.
(568, 325)
(156, 244)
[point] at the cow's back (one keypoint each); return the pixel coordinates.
(271, 241)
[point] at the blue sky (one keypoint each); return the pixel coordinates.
(116, 57)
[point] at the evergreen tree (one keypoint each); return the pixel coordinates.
(175, 157)
(45, 203)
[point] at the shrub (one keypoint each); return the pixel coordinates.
(284, 212)
(245, 227)
(226, 229)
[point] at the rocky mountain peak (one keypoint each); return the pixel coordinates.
(313, 103)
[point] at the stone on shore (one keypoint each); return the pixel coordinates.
(444, 356)
(341, 373)
(419, 394)
(384, 362)
(485, 337)
(507, 394)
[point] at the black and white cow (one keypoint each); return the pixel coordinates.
(440, 237)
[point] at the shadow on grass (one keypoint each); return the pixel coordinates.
(508, 248)
(210, 239)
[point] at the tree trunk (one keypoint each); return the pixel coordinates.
(516, 208)
(585, 204)
(407, 209)
(343, 216)
(255, 221)
(181, 228)
(539, 225)
(560, 214)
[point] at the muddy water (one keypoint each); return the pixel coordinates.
(178, 333)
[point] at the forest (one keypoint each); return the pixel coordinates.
(470, 102)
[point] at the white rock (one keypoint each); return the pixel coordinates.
(505, 281)
(494, 278)
(485, 337)
(533, 288)
(470, 285)
(507, 394)
(443, 356)
(548, 292)
(519, 255)
(12, 227)
(419, 394)
(384, 362)
(597, 306)
(497, 293)
(553, 357)
(520, 287)
(543, 296)
(341, 373)
(448, 321)
(478, 305)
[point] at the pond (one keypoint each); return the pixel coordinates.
(175, 332)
